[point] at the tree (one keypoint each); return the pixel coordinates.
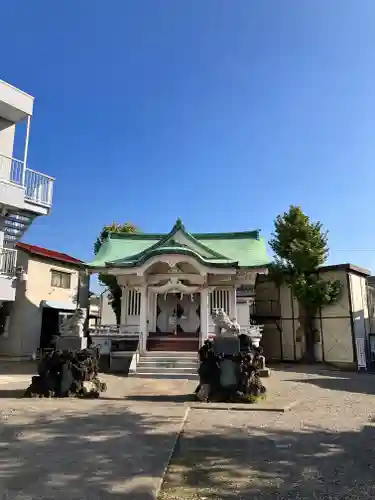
(300, 247)
(110, 282)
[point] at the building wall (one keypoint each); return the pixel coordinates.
(243, 313)
(26, 318)
(267, 300)
(16, 103)
(339, 324)
(335, 322)
(7, 287)
(7, 131)
(10, 341)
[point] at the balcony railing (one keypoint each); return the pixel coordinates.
(8, 261)
(38, 187)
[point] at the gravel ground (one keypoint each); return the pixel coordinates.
(322, 449)
(117, 447)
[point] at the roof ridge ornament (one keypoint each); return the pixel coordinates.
(179, 224)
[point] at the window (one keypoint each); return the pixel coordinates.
(60, 279)
(134, 303)
(219, 299)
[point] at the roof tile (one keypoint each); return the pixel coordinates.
(49, 254)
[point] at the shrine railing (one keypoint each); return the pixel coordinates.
(113, 330)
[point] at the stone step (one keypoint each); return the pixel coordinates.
(177, 365)
(171, 335)
(166, 370)
(165, 376)
(170, 354)
(170, 364)
(169, 345)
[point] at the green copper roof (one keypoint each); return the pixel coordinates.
(244, 249)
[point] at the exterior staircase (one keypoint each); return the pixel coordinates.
(16, 224)
(168, 365)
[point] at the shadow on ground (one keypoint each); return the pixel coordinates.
(11, 393)
(313, 369)
(250, 464)
(98, 452)
(110, 453)
(353, 382)
(18, 367)
(161, 398)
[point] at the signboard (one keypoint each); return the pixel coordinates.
(228, 345)
(361, 354)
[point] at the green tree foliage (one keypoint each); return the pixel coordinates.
(110, 282)
(300, 247)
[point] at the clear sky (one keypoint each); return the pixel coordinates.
(221, 112)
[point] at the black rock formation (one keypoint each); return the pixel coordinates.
(230, 377)
(67, 374)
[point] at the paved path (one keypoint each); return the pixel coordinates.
(322, 449)
(113, 448)
(65, 450)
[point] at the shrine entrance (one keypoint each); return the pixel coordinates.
(178, 313)
(177, 323)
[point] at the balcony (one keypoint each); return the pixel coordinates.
(38, 187)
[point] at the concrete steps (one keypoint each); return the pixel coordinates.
(168, 365)
(172, 344)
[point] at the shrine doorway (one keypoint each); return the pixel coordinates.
(178, 314)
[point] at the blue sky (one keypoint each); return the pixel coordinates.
(221, 112)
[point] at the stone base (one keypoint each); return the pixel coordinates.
(264, 372)
(120, 362)
(71, 343)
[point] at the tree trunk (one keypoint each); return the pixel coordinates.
(307, 323)
(116, 293)
(117, 310)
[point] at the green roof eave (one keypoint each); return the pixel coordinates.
(258, 266)
(197, 236)
(180, 227)
(163, 239)
(171, 250)
(245, 250)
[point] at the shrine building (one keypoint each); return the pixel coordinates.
(172, 282)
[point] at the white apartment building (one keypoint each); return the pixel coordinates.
(25, 193)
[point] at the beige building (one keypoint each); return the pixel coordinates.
(51, 286)
(343, 328)
(94, 310)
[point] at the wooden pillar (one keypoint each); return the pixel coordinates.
(154, 314)
(205, 310)
(143, 330)
(124, 305)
